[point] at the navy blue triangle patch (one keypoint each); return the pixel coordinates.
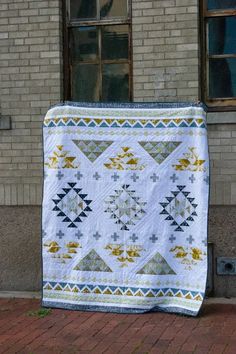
(78, 219)
(181, 187)
(175, 193)
(179, 229)
(72, 185)
(186, 193)
(56, 201)
(77, 190)
(170, 218)
(66, 190)
(170, 199)
(67, 219)
(72, 225)
(88, 201)
(184, 223)
(82, 196)
(87, 209)
(61, 214)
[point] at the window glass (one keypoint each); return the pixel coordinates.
(83, 9)
(85, 82)
(221, 4)
(113, 8)
(115, 42)
(222, 35)
(115, 82)
(222, 78)
(97, 47)
(84, 43)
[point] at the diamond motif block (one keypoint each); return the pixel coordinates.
(125, 207)
(179, 208)
(72, 205)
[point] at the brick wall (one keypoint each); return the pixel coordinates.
(166, 68)
(30, 70)
(165, 49)
(222, 146)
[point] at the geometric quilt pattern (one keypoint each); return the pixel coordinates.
(125, 160)
(159, 150)
(72, 205)
(92, 263)
(180, 208)
(156, 266)
(125, 207)
(92, 149)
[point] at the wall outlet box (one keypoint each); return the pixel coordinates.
(225, 266)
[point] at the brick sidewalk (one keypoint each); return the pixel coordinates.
(71, 332)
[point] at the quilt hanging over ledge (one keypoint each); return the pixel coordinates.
(125, 206)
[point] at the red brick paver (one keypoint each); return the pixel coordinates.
(71, 332)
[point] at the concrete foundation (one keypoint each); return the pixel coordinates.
(20, 251)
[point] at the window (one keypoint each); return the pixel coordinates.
(219, 53)
(97, 50)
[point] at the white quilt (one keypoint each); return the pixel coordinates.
(125, 206)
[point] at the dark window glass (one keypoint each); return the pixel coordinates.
(115, 42)
(115, 82)
(113, 8)
(222, 35)
(85, 82)
(84, 43)
(222, 78)
(221, 4)
(98, 61)
(83, 9)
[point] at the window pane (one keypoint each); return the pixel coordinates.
(84, 43)
(115, 42)
(113, 8)
(222, 78)
(222, 35)
(83, 9)
(221, 4)
(85, 82)
(115, 82)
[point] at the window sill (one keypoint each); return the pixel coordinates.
(221, 118)
(5, 123)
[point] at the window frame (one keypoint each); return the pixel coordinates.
(67, 24)
(213, 104)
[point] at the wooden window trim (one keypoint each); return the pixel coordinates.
(214, 105)
(67, 23)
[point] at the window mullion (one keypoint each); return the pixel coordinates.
(98, 9)
(100, 61)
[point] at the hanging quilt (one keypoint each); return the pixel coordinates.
(125, 206)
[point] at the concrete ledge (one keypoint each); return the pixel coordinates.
(20, 294)
(221, 118)
(5, 123)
